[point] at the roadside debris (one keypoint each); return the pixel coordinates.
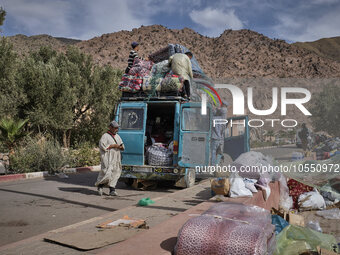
(296, 240)
(145, 202)
(124, 222)
(299, 191)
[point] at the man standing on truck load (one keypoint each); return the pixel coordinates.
(181, 65)
(133, 54)
(217, 132)
(110, 146)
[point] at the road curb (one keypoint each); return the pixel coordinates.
(269, 147)
(14, 177)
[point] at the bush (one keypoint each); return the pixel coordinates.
(84, 155)
(38, 154)
(257, 144)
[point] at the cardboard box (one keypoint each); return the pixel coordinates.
(296, 219)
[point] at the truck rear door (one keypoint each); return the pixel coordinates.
(131, 117)
(194, 138)
(236, 139)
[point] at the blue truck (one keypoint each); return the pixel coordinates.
(170, 119)
(182, 124)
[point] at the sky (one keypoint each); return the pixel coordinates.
(290, 20)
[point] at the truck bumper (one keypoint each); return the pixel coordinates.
(156, 173)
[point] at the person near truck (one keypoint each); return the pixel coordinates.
(303, 135)
(133, 54)
(110, 146)
(181, 65)
(217, 133)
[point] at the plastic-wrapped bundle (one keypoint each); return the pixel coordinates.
(161, 68)
(228, 228)
(172, 82)
(159, 156)
(130, 83)
(152, 83)
(140, 67)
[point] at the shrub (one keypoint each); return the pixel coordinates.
(84, 155)
(38, 154)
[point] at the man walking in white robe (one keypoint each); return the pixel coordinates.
(110, 146)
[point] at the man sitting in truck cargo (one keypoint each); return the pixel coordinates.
(133, 54)
(181, 65)
(110, 146)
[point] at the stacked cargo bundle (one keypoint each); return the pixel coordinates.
(156, 75)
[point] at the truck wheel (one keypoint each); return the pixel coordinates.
(190, 178)
(128, 181)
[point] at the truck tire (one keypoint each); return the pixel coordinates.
(128, 181)
(190, 178)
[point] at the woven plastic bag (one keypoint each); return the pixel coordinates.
(295, 239)
(159, 155)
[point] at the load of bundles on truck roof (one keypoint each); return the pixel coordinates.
(155, 75)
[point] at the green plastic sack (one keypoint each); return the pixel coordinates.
(294, 240)
(145, 201)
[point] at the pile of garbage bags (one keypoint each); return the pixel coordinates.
(228, 228)
(327, 147)
(294, 240)
(249, 177)
(318, 179)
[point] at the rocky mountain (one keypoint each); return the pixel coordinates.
(326, 47)
(231, 57)
(24, 44)
(241, 53)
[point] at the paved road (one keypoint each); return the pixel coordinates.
(31, 207)
(283, 153)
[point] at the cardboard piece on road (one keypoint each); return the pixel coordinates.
(124, 222)
(83, 240)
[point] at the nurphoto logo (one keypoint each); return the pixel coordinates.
(239, 105)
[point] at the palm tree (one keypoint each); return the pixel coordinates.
(11, 131)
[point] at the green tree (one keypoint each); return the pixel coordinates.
(11, 95)
(2, 16)
(68, 94)
(325, 110)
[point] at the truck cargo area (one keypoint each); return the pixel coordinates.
(159, 124)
